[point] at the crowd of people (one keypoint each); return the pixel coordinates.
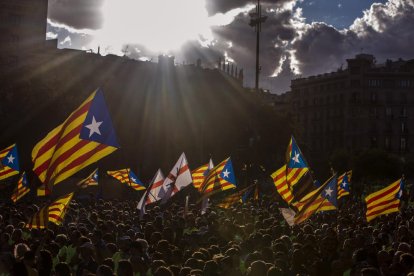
(108, 237)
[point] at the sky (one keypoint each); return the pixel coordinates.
(300, 37)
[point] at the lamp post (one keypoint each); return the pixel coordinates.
(256, 20)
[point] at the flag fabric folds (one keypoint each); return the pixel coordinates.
(41, 191)
(54, 212)
(178, 178)
(9, 162)
(323, 198)
(236, 197)
(384, 201)
(252, 192)
(293, 180)
(230, 200)
(151, 194)
(220, 178)
(200, 174)
(343, 184)
(22, 188)
(126, 176)
(85, 137)
(91, 180)
(282, 187)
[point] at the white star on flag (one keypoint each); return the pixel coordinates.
(226, 174)
(94, 127)
(95, 175)
(295, 158)
(10, 159)
(328, 192)
(400, 193)
(344, 184)
(133, 179)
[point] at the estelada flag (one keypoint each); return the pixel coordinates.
(91, 180)
(343, 184)
(200, 174)
(22, 188)
(86, 136)
(323, 198)
(9, 162)
(54, 212)
(220, 178)
(384, 201)
(128, 177)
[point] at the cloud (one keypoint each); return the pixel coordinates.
(51, 35)
(79, 39)
(220, 6)
(66, 42)
(79, 14)
(385, 30)
(289, 46)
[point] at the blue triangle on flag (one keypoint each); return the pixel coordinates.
(98, 125)
(331, 191)
(296, 158)
(134, 178)
(24, 181)
(11, 160)
(228, 173)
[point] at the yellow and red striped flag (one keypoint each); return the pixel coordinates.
(296, 166)
(282, 187)
(323, 198)
(126, 176)
(200, 174)
(236, 197)
(220, 178)
(22, 188)
(384, 201)
(9, 162)
(91, 180)
(86, 136)
(54, 212)
(41, 191)
(293, 181)
(230, 200)
(343, 184)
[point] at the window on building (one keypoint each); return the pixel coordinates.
(403, 144)
(375, 83)
(374, 143)
(373, 112)
(388, 112)
(355, 83)
(389, 96)
(403, 83)
(403, 111)
(373, 97)
(403, 128)
(387, 143)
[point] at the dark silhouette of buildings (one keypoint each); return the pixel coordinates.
(367, 105)
(158, 109)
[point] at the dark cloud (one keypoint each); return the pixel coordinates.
(223, 6)
(385, 31)
(289, 46)
(79, 14)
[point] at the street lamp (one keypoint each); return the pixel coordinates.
(256, 20)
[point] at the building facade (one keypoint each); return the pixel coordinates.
(23, 30)
(366, 105)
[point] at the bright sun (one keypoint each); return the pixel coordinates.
(159, 25)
